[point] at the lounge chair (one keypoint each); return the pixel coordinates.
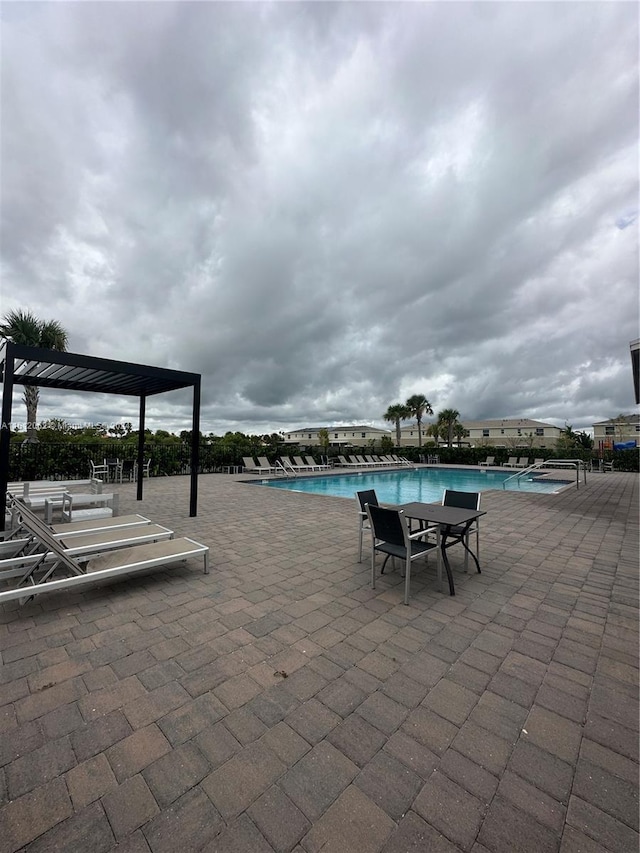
(315, 465)
(37, 574)
(490, 460)
(291, 466)
(373, 462)
(512, 462)
(301, 465)
(538, 462)
(343, 462)
(523, 462)
(265, 465)
(250, 466)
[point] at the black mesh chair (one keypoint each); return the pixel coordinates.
(391, 536)
(465, 500)
(367, 497)
(128, 470)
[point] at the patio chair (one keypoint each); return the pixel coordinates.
(146, 469)
(538, 461)
(512, 462)
(99, 470)
(390, 536)
(523, 462)
(114, 469)
(466, 500)
(365, 497)
(490, 460)
(127, 470)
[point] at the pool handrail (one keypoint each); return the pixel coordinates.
(550, 463)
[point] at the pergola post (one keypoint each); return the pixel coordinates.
(140, 478)
(5, 433)
(195, 449)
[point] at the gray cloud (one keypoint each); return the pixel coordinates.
(323, 208)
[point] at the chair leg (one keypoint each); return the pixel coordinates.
(373, 563)
(466, 553)
(360, 543)
(407, 579)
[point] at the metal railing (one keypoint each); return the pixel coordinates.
(553, 463)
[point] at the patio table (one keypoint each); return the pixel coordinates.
(446, 517)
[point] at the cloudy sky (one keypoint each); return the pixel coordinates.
(324, 208)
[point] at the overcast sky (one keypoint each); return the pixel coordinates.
(324, 208)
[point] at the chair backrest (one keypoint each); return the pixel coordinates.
(310, 461)
(524, 460)
(367, 497)
(465, 500)
(248, 462)
(387, 524)
(264, 462)
(490, 460)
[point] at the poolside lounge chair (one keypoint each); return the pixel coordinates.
(523, 462)
(317, 466)
(344, 463)
(265, 465)
(291, 466)
(301, 465)
(55, 569)
(490, 460)
(538, 462)
(250, 466)
(512, 462)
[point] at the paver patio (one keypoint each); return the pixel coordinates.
(279, 704)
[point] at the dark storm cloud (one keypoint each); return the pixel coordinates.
(324, 208)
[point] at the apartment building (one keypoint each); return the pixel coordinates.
(358, 436)
(500, 432)
(616, 430)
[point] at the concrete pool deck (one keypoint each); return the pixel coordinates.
(279, 704)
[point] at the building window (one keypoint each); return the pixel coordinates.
(485, 433)
(637, 427)
(501, 432)
(610, 430)
(539, 431)
(519, 432)
(363, 435)
(310, 435)
(335, 435)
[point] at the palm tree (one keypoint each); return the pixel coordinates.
(395, 414)
(448, 420)
(23, 327)
(417, 406)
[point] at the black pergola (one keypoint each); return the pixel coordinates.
(45, 368)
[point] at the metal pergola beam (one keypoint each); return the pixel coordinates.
(44, 368)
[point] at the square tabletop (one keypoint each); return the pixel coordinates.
(439, 514)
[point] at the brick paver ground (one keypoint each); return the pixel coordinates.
(279, 704)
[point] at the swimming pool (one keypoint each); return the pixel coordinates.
(416, 484)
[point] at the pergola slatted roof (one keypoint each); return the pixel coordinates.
(68, 371)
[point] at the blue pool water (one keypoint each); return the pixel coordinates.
(422, 484)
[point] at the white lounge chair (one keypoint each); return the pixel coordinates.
(37, 573)
(512, 462)
(250, 467)
(490, 460)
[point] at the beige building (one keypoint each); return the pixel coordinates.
(619, 429)
(511, 433)
(359, 436)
